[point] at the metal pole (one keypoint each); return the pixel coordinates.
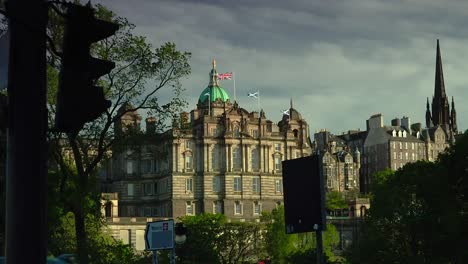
(155, 257)
(320, 259)
(173, 255)
(26, 181)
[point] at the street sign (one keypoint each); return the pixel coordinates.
(4, 55)
(159, 235)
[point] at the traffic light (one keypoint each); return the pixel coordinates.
(180, 233)
(78, 99)
(303, 191)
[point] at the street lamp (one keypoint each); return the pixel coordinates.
(209, 103)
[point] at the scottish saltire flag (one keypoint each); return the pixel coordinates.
(225, 76)
(285, 112)
(254, 95)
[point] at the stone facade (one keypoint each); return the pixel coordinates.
(341, 161)
(220, 158)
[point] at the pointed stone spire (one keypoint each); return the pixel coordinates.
(291, 103)
(453, 117)
(440, 104)
(213, 75)
(439, 88)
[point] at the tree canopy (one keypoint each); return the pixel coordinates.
(418, 213)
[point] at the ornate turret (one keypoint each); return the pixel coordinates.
(428, 115)
(453, 118)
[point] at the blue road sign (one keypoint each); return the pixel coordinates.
(159, 235)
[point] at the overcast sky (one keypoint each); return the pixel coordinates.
(340, 60)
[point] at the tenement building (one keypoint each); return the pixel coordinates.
(402, 142)
(219, 158)
(341, 160)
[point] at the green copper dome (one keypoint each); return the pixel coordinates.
(216, 92)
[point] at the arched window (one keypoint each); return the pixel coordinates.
(363, 211)
(236, 131)
(295, 132)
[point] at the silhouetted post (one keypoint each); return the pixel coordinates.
(319, 239)
(26, 181)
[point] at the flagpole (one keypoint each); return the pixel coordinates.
(258, 101)
(234, 79)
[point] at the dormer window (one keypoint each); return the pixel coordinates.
(399, 133)
(393, 133)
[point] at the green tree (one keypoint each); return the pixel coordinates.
(141, 72)
(334, 200)
(211, 239)
(294, 248)
(418, 213)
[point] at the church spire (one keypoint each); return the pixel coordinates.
(439, 88)
(291, 103)
(440, 104)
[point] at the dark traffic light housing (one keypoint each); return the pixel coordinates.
(78, 99)
(180, 229)
(304, 194)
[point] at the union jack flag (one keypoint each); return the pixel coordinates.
(225, 76)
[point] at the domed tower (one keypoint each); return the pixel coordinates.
(213, 99)
(293, 125)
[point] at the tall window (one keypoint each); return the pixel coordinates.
(189, 185)
(237, 184)
(412, 156)
(237, 208)
(255, 159)
(146, 166)
(216, 158)
(236, 159)
(278, 147)
(256, 184)
(279, 186)
(257, 208)
(406, 145)
(236, 132)
(188, 162)
(401, 145)
(254, 133)
(394, 155)
(277, 163)
(412, 145)
(406, 156)
(148, 188)
(130, 189)
(130, 166)
(216, 184)
(189, 208)
(188, 144)
(214, 132)
(217, 207)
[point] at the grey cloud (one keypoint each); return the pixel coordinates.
(341, 61)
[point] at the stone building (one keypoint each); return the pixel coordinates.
(220, 158)
(341, 160)
(402, 142)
